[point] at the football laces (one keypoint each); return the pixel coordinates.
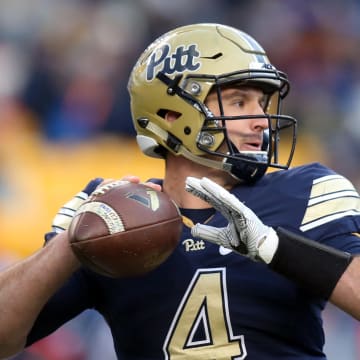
(101, 190)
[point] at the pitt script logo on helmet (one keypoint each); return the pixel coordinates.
(178, 71)
(169, 63)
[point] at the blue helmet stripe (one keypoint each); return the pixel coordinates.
(255, 46)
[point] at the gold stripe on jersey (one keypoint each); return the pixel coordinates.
(331, 198)
(330, 184)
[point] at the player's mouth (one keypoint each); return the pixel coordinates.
(251, 146)
(247, 142)
(251, 143)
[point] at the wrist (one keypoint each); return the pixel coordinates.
(267, 247)
(63, 250)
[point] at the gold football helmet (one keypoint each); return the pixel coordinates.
(177, 72)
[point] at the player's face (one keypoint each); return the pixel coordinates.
(246, 134)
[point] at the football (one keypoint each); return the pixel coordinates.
(125, 229)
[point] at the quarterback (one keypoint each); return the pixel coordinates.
(261, 251)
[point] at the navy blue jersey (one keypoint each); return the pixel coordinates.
(206, 302)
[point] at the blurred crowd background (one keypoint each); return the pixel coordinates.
(64, 113)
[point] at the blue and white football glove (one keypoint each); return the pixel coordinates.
(245, 233)
(62, 219)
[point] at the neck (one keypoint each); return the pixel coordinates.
(178, 169)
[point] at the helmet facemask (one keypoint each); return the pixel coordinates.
(248, 166)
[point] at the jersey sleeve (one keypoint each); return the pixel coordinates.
(312, 200)
(331, 209)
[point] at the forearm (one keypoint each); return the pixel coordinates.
(346, 294)
(26, 286)
(322, 270)
(310, 264)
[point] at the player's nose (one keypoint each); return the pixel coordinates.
(258, 120)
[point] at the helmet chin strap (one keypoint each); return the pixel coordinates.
(181, 149)
(249, 166)
(248, 171)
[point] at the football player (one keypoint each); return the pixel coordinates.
(257, 260)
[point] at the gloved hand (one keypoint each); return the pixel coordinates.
(65, 214)
(245, 233)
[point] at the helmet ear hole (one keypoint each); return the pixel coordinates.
(170, 115)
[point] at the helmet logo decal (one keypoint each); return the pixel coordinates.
(261, 66)
(180, 60)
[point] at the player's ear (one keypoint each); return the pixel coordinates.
(171, 116)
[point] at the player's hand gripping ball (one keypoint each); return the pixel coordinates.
(125, 229)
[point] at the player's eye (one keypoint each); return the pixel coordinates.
(239, 103)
